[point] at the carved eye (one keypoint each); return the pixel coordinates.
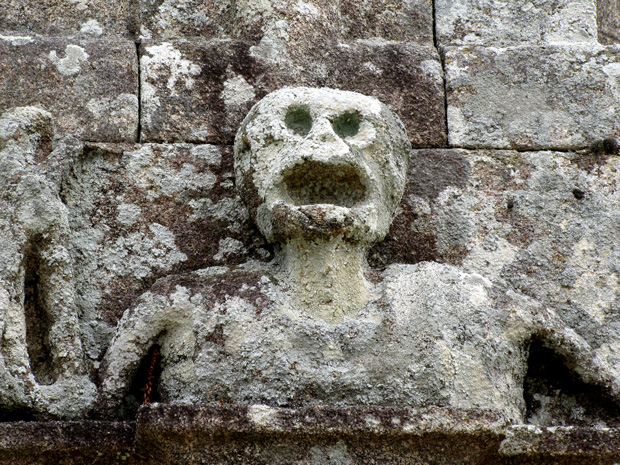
(347, 124)
(298, 120)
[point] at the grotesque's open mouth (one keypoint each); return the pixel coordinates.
(313, 182)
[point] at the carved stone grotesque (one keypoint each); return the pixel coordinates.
(322, 173)
(41, 360)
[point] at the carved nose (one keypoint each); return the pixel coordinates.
(323, 132)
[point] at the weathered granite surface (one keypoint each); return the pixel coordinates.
(290, 21)
(140, 212)
(67, 443)
(608, 15)
(260, 435)
(543, 224)
(555, 97)
(42, 370)
(95, 18)
(90, 86)
(391, 20)
(200, 92)
(501, 23)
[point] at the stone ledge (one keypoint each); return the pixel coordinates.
(561, 441)
(66, 442)
(209, 420)
(264, 435)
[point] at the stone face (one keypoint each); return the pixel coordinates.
(201, 92)
(608, 13)
(89, 86)
(93, 18)
(560, 97)
(479, 22)
(355, 154)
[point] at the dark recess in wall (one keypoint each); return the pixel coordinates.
(555, 396)
(37, 321)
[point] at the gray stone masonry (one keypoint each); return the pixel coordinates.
(493, 299)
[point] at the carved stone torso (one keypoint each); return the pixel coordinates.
(432, 335)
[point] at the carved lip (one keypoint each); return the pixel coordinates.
(313, 182)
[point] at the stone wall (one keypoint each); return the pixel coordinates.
(511, 109)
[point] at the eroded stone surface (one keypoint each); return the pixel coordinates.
(497, 23)
(289, 24)
(608, 14)
(390, 20)
(201, 92)
(42, 371)
(543, 222)
(95, 18)
(561, 97)
(140, 212)
(315, 326)
(89, 86)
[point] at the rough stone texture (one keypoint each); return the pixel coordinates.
(89, 86)
(186, 18)
(93, 18)
(67, 443)
(41, 360)
(410, 20)
(499, 23)
(260, 435)
(140, 212)
(608, 14)
(562, 443)
(544, 222)
(322, 172)
(288, 21)
(201, 92)
(557, 97)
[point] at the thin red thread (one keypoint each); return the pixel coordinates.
(148, 389)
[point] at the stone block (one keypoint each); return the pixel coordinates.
(547, 223)
(200, 92)
(388, 19)
(496, 23)
(257, 434)
(556, 97)
(608, 14)
(93, 18)
(307, 21)
(89, 86)
(67, 442)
